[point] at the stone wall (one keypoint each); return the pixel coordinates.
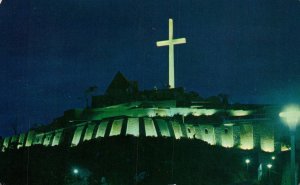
(267, 141)
(244, 135)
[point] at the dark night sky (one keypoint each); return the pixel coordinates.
(51, 51)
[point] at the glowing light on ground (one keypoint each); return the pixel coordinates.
(247, 161)
(75, 171)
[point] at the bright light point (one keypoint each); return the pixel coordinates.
(290, 115)
(273, 157)
(209, 112)
(269, 166)
(75, 171)
(247, 161)
(240, 112)
(0, 1)
(228, 124)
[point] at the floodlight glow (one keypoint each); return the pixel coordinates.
(290, 115)
(196, 114)
(209, 112)
(273, 157)
(246, 137)
(240, 112)
(77, 136)
(228, 124)
(247, 161)
(75, 171)
(133, 127)
(151, 114)
(269, 166)
(149, 127)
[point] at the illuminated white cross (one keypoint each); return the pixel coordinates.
(171, 42)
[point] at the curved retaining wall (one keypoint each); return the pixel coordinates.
(244, 135)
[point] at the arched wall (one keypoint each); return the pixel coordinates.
(242, 135)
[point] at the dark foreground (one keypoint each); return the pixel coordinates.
(128, 161)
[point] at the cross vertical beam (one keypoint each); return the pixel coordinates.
(171, 42)
(171, 57)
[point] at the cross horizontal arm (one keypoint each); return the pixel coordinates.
(179, 41)
(163, 43)
(168, 42)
